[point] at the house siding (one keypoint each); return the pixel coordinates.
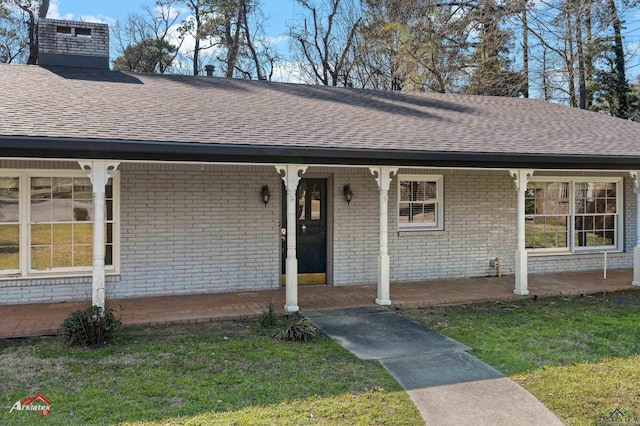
(189, 229)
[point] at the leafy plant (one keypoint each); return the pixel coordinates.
(90, 327)
(297, 329)
(269, 317)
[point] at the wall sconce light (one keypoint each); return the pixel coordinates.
(348, 193)
(265, 194)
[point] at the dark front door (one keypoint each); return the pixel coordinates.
(311, 232)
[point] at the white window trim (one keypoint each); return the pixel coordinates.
(24, 176)
(438, 225)
(571, 248)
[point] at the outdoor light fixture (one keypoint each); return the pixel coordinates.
(265, 194)
(348, 193)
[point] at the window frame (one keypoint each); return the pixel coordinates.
(571, 230)
(438, 224)
(24, 202)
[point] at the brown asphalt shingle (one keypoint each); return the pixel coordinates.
(97, 104)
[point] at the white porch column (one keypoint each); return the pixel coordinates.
(383, 177)
(521, 178)
(636, 250)
(291, 178)
(99, 172)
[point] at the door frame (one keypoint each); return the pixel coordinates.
(329, 234)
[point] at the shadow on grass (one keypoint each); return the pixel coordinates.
(521, 336)
(190, 370)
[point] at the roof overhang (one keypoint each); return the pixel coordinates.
(72, 148)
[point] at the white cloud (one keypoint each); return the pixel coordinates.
(289, 72)
(54, 12)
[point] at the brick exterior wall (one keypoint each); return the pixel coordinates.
(197, 229)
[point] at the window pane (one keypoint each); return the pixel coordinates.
(315, 202)
(108, 255)
(62, 234)
(108, 232)
(62, 187)
(9, 210)
(82, 189)
(82, 256)
(40, 210)
(405, 209)
(108, 190)
(82, 210)
(41, 258)
(41, 235)
(109, 208)
(83, 233)
(9, 193)
(405, 191)
(40, 188)
(593, 231)
(302, 198)
(546, 232)
(9, 247)
(62, 210)
(62, 256)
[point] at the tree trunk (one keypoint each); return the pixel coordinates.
(621, 80)
(582, 87)
(525, 52)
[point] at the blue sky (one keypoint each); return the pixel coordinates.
(277, 12)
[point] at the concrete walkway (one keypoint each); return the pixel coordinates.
(449, 386)
(45, 318)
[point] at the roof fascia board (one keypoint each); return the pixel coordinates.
(59, 148)
(350, 166)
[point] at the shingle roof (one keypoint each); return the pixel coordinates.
(39, 102)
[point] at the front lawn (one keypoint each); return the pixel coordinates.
(579, 355)
(217, 373)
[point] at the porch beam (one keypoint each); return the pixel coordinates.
(635, 175)
(521, 178)
(383, 176)
(99, 172)
(291, 176)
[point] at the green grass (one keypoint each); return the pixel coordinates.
(579, 355)
(217, 373)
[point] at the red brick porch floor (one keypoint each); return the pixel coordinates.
(44, 318)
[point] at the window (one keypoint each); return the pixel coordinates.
(573, 214)
(420, 204)
(46, 222)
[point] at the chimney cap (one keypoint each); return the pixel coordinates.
(209, 69)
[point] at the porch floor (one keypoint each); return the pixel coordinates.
(45, 318)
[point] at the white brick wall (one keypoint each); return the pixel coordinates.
(196, 229)
(192, 229)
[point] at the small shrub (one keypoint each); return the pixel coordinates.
(269, 317)
(297, 329)
(90, 327)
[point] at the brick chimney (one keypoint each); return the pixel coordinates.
(73, 44)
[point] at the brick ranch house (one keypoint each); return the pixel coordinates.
(116, 184)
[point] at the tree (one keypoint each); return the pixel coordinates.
(234, 26)
(14, 42)
(33, 11)
(146, 42)
(150, 55)
(201, 12)
(492, 75)
(324, 40)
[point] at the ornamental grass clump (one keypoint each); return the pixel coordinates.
(297, 329)
(90, 327)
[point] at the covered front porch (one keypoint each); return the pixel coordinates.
(45, 318)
